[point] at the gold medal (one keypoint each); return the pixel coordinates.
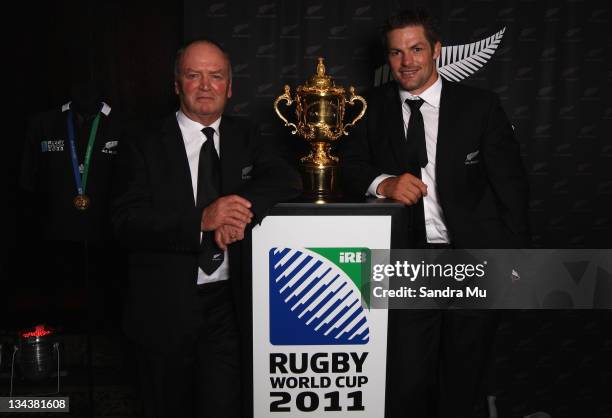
(81, 202)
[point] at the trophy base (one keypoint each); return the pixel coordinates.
(319, 182)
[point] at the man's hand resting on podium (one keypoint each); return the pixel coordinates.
(228, 216)
(406, 188)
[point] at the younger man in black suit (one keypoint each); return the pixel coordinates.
(448, 152)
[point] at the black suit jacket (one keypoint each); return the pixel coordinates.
(155, 217)
(484, 196)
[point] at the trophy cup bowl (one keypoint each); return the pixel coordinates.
(320, 110)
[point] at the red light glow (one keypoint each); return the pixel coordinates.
(39, 331)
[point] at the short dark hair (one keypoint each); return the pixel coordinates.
(412, 17)
(181, 52)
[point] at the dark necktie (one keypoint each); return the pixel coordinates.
(415, 138)
(415, 134)
(209, 184)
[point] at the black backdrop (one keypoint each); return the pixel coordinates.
(552, 69)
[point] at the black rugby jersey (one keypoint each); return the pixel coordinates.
(47, 173)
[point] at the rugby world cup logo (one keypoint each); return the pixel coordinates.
(319, 296)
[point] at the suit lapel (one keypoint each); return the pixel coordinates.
(174, 147)
(395, 128)
(230, 149)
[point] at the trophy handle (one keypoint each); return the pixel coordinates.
(286, 96)
(351, 101)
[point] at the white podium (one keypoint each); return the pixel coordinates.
(318, 349)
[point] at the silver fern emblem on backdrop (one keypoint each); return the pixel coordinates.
(456, 62)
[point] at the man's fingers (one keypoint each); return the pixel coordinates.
(237, 217)
(408, 180)
(422, 187)
(415, 193)
(406, 200)
(235, 234)
(417, 183)
(408, 196)
(409, 199)
(234, 198)
(219, 239)
(240, 209)
(408, 189)
(226, 235)
(231, 210)
(234, 222)
(401, 197)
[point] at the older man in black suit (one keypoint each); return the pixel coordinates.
(448, 152)
(190, 188)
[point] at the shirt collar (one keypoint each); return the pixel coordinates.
(431, 96)
(193, 128)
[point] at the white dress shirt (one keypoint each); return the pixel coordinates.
(434, 218)
(193, 139)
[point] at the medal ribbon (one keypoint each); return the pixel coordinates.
(81, 183)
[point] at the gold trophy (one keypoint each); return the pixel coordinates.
(320, 106)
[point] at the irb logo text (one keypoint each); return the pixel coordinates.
(352, 257)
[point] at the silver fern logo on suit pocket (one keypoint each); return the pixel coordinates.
(246, 172)
(110, 147)
(471, 158)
